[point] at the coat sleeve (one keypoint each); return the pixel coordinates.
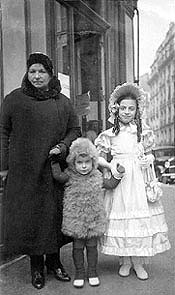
(5, 131)
(73, 129)
(59, 175)
(110, 183)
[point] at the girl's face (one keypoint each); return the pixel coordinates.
(83, 164)
(38, 76)
(127, 110)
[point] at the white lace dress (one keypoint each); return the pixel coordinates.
(135, 227)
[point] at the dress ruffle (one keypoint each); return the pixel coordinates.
(140, 227)
(144, 246)
(137, 237)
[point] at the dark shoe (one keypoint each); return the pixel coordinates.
(38, 280)
(59, 273)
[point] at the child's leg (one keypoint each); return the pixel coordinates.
(78, 258)
(125, 267)
(138, 267)
(92, 259)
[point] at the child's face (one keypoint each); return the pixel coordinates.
(127, 110)
(83, 164)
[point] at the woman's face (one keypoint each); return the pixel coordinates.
(127, 110)
(38, 76)
(83, 164)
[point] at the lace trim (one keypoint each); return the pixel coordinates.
(148, 246)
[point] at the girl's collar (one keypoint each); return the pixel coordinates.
(111, 120)
(130, 127)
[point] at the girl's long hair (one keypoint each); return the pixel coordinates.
(137, 120)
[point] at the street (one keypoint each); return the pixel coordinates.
(15, 278)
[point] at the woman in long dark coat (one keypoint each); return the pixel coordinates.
(35, 118)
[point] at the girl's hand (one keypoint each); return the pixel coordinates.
(145, 161)
(118, 172)
(103, 163)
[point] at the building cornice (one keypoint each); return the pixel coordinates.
(89, 13)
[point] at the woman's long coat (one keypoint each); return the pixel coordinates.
(31, 126)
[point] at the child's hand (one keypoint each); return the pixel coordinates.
(106, 173)
(118, 172)
(115, 177)
(120, 169)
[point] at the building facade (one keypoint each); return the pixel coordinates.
(161, 106)
(91, 44)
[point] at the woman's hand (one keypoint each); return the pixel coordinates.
(55, 150)
(3, 174)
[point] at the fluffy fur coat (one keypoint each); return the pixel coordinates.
(83, 211)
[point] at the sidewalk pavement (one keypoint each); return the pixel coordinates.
(16, 280)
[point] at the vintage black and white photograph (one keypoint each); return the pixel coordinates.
(87, 147)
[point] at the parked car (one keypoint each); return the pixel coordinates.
(162, 154)
(168, 176)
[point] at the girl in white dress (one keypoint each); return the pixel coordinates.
(136, 227)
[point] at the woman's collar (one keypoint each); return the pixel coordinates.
(30, 90)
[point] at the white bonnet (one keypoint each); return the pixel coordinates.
(126, 89)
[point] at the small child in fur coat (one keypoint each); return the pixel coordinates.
(84, 216)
